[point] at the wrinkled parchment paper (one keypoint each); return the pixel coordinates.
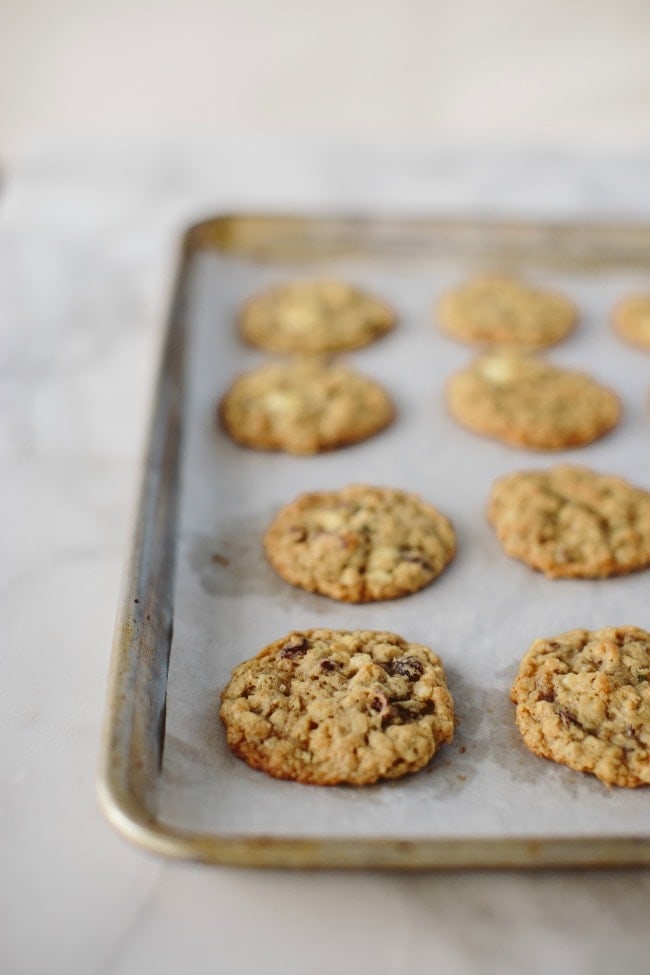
(480, 616)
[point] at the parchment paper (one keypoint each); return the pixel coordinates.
(481, 615)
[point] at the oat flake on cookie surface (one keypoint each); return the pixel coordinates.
(338, 706)
(304, 406)
(571, 522)
(314, 317)
(360, 544)
(525, 401)
(583, 700)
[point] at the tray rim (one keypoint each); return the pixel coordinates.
(134, 726)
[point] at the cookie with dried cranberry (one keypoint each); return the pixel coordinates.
(631, 320)
(525, 401)
(504, 311)
(338, 706)
(314, 317)
(572, 523)
(360, 544)
(583, 699)
(304, 406)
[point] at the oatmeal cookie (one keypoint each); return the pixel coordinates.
(524, 401)
(333, 706)
(631, 320)
(314, 317)
(360, 544)
(304, 407)
(583, 699)
(570, 522)
(502, 310)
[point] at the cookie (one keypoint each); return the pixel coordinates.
(314, 317)
(527, 402)
(631, 320)
(304, 407)
(360, 544)
(571, 523)
(583, 699)
(501, 310)
(334, 706)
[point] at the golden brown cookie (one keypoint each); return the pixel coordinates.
(360, 544)
(334, 706)
(525, 401)
(314, 317)
(501, 310)
(304, 407)
(631, 320)
(569, 522)
(583, 699)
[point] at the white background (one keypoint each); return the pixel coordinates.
(572, 73)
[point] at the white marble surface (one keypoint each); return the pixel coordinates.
(86, 242)
(515, 71)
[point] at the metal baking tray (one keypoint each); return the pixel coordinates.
(198, 596)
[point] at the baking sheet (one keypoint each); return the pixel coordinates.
(481, 615)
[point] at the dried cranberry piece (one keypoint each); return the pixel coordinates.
(409, 667)
(329, 665)
(412, 710)
(382, 704)
(294, 648)
(567, 718)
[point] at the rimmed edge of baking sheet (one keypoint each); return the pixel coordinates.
(134, 729)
